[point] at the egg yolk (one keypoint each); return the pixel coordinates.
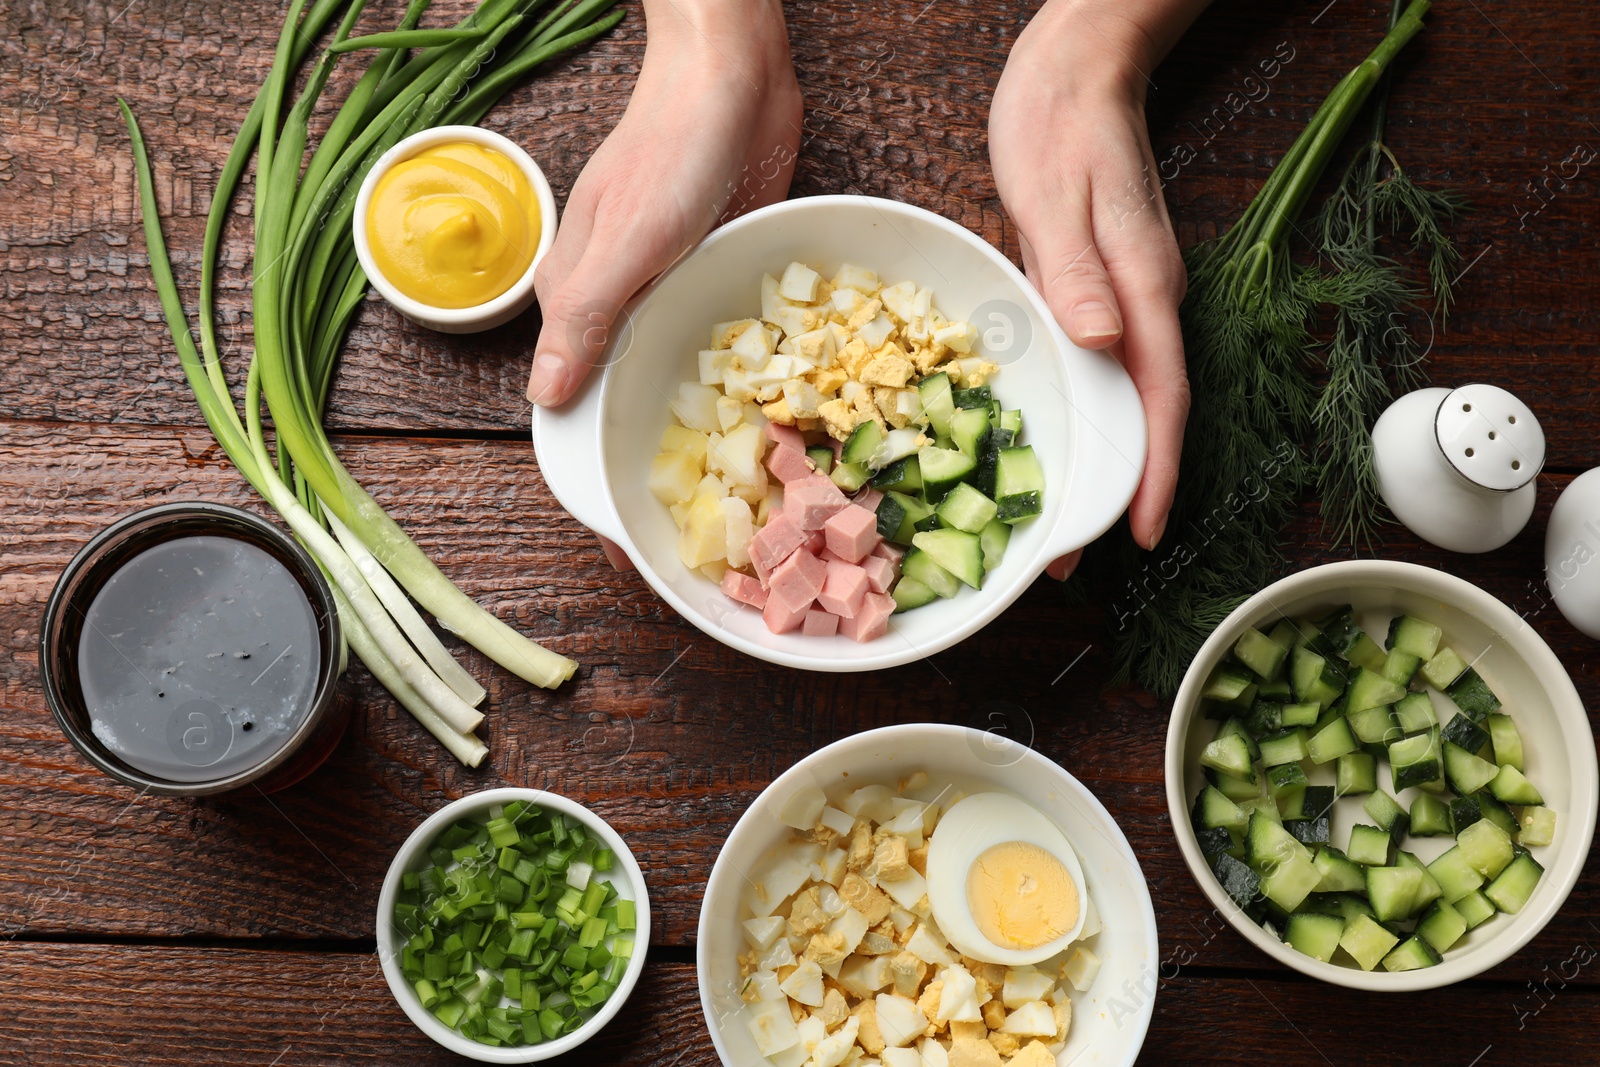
(1021, 896)
(454, 226)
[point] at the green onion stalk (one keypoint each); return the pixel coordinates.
(1247, 320)
(306, 287)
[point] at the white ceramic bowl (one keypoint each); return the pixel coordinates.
(625, 875)
(503, 308)
(1517, 665)
(1109, 1021)
(1080, 412)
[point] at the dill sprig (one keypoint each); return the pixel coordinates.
(1260, 432)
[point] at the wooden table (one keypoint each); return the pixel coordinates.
(148, 930)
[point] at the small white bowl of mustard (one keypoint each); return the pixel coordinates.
(450, 225)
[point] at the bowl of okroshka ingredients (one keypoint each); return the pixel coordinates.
(926, 894)
(449, 225)
(1381, 775)
(844, 433)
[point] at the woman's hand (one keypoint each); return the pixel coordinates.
(1073, 165)
(711, 131)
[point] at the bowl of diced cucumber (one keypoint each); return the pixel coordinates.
(1381, 775)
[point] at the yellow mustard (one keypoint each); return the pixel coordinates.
(454, 226)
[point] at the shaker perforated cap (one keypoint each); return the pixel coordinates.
(1490, 436)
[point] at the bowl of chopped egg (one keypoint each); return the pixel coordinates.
(927, 894)
(844, 433)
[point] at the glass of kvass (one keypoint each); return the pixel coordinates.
(192, 649)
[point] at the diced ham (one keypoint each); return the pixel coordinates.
(786, 436)
(880, 573)
(810, 502)
(852, 532)
(746, 590)
(869, 498)
(789, 464)
(871, 621)
(844, 589)
(819, 624)
(796, 581)
(890, 551)
(817, 542)
(780, 619)
(773, 543)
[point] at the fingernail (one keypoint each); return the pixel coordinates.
(549, 379)
(1093, 320)
(1161, 528)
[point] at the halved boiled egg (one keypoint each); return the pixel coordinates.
(1003, 881)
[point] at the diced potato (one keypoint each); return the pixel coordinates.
(680, 513)
(704, 536)
(730, 413)
(752, 494)
(799, 282)
(715, 570)
(769, 503)
(673, 477)
(696, 406)
(683, 439)
(739, 454)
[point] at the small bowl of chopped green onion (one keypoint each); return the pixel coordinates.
(512, 925)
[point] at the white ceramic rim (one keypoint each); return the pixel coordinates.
(1072, 523)
(510, 301)
(803, 770)
(1566, 707)
(388, 956)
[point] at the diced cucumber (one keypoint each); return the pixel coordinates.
(1388, 814)
(1375, 726)
(1466, 773)
(862, 443)
(1280, 690)
(1442, 926)
(1455, 875)
(1414, 712)
(969, 431)
(1314, 935)
(994, 538)
(979, 397)
(1018, 484)
(1314, 678)
(1260, 653)
(1247, 699)
(927, 522)
(1367, 653)
(1415, 760)
(1475, 908)
(1506, 740)
(1269, 845)
(1430, 817)
(1486, 847)
(957, 551)
(1226, 682)
(1331, 742)
(1369, 845)
(1473, 696)
(1465, 734)
(1234, 787)
(964, 508)
(891, 514)
(901, 476)
(1234, 725)
(1265, 805)
(1370, 689)
(1286, 747)
(1413, 954)
(1265, 717)
(1340, 874)
(1357, 773)
(1299, 714)
(1510, 786)
(849, 476)
(1366, 941)
(1416, 636)
(942, 470)
(1513, 886)
(1011, 421)
(1340, 629)
(937, 402)
(989, 459)
(1399, 666)
(1285, 781)
(1430, 890)
(922, 567)
(1309, 832)
(1314, 802)
(1536, 826)
(1285, 634)
(1395, 892)
(1497, 813)
(821, 457)
(908, 593)
(1464, 811)
(1213, 841)
(1445, 667)
(1289, 883)
(1242, 884)
(1213, 810)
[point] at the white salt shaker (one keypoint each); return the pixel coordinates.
(1457, 466)
(1572, 553)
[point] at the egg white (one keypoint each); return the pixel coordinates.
(971, 827)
